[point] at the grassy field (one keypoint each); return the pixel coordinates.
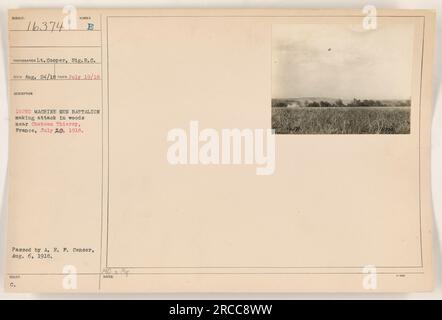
(341, 120)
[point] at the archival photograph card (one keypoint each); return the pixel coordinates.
(266, 150)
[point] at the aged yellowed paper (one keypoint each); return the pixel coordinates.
(219, 150)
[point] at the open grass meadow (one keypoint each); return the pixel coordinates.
(341, 120)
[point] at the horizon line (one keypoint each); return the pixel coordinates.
(409, 98)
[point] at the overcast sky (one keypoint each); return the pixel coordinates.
(342, 61)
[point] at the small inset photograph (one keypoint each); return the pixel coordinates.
(341, 79)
